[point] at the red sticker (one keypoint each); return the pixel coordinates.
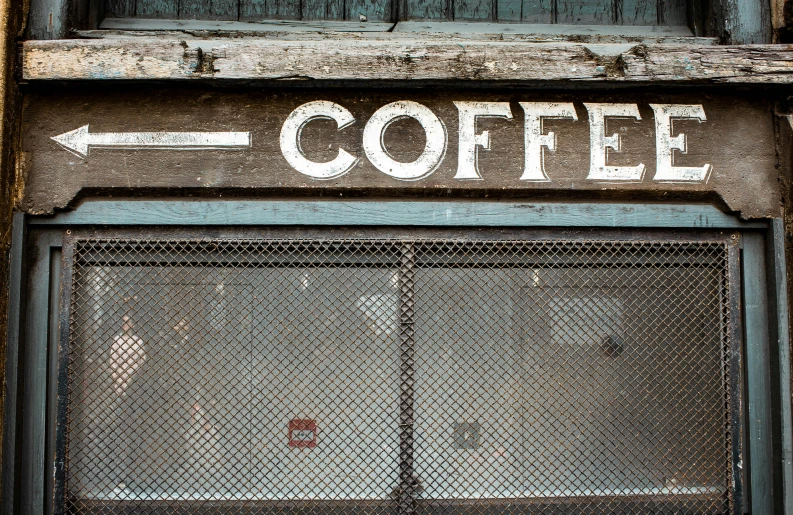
(302, 433)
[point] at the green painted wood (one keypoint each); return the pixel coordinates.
(120, 8)
(10, 413)
(509, 10)
(34, 395)
(779, 295)
(374, 10)
(208, 9)
(747, 22)
(157, 9)
(374, 213)
(427, 10)
(672, 12)
(638, 12)
(595, 12)
(322, 10)
(255, 10)
(538, 11)
(473, 10)
(48, 19)
(52, 374)
(758, 373)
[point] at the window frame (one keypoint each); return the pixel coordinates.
(35, 295)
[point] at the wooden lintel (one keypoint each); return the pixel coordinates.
(383, 59)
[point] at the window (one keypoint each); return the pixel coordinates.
(412, 373)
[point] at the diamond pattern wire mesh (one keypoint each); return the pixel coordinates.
(398, 376)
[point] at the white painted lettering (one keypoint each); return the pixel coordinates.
(290, 139)
(434, 149)
(468, 155)
(600, 143)
(666, 144)
(534, 140)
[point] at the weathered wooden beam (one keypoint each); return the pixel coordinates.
(383, 59)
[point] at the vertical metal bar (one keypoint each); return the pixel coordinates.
(406, 379)
(15, 302)
(758, 384)
(52, 369)
(735, 336)
(779, 315)
(64, 314)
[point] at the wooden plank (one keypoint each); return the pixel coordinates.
(509, 10)
(427, 10)
(153, 59)
(758, 374)
(780, 312)
(502, 30)
(11, 412)
(283, 9)
(539, 11)
(747, 22)
(777, 18)
(34, 396)
(253, 10)
(157, 9)
(52, 376)
(284, 29)
(672, 12)
(208, 9)
(48, 19)
(475, 214)
(638, 12)
(595, 12)
(373, 10)
(473, 10)
(119, 8)
(312, 10)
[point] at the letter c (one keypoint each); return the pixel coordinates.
(290, 139)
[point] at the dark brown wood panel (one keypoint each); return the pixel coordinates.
(736, 139)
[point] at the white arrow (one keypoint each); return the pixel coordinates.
(79, 140)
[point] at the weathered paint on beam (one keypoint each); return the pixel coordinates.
(373, 213)
(382, 59)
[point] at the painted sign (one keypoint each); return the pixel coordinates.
(471, 142)
(302, 433)
(519, 144)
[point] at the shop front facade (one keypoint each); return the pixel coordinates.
(400, 258)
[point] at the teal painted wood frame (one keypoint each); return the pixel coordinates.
(758, 380)
(45, 240)
(779, 326)
(401, 213)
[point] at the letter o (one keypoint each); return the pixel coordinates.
(290, 139)
(434, 149)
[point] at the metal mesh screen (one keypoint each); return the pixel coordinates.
(403, 376)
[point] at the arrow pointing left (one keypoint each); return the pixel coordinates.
(80, 140)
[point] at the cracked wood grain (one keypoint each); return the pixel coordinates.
(153, 59)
